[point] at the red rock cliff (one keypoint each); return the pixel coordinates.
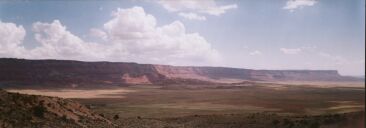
(77, 73)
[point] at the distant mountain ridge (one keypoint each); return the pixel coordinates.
(71, 73)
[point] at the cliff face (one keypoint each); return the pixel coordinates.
(77, 73)
(297, 75)
(211, 74)
(229, 75)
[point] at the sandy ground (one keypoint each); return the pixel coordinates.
(322, 84)
(72, 93)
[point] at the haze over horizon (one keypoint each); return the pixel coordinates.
(266, 34)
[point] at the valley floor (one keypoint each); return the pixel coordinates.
(236, 105)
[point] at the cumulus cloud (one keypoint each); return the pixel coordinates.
(132, 23)
(192, 16)
(11, 40)
(291, 50)
(98, 33)
(256, 52)
(58, 43)
(209, 7)
(136, 32)
(295, 4)
(130, 35)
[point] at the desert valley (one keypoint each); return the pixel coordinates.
(182, 63)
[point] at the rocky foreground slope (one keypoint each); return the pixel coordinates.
(33, 111)
(20, 110)
(77, 73)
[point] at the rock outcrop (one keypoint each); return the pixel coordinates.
(21, 110)
(67, 73)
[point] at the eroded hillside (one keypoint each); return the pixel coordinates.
(20, 110)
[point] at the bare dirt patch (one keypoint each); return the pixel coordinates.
(72, 93)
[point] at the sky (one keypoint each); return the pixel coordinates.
(254, 34)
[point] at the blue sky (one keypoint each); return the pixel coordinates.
(258, 34)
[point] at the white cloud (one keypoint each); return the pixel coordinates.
(139, 36)
(11, 39)
(132, 23)
(130, 35)
(290, 50)
(295, 4)
(192, 16)
(256, 52)
(58, 43)
(208, 7)
(217, 11)
(98, 33)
